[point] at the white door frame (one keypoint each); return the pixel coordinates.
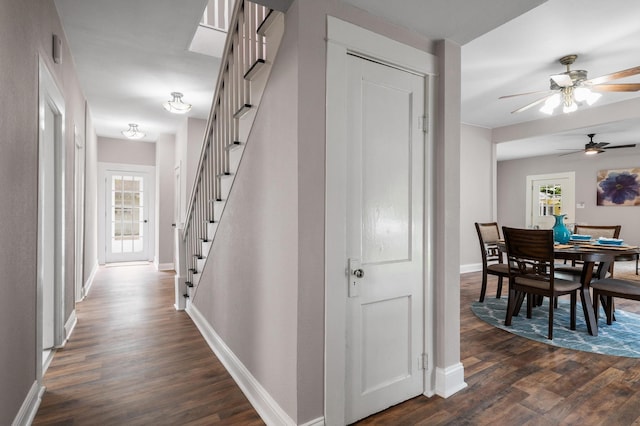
(79, 174)
(50, 96)
(103, 169)
(342, 38)
(570, 209)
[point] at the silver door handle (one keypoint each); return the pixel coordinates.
(359, 273)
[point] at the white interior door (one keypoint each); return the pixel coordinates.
(79, 173)
(549, 195)
(127, 213)
(51, 220)
(385, 158)
(48, 222)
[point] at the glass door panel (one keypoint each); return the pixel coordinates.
(127, 223)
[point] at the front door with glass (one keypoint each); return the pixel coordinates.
(549, 195)
(126, 226)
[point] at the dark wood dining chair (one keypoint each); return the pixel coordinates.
(531, 262)
(606, 289)
(596, 231)
(492, 263)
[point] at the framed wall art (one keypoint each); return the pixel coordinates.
(619, 187)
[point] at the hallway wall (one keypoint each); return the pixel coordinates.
(262, 290)
(26, 28)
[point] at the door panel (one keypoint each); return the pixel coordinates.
(126, 225)
(385, 190)
(550, 195)
(48, 230)
(384, 232)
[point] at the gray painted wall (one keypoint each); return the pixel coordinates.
(511, 188)
(271, 314)
(188, 145)
(248, 290)
(26, 29)
(124, 151)
(91, 204)
(165, 151)
(477, 190)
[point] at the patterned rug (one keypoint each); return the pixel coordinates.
(622, 338)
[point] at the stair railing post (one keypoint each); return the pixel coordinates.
(181, 267)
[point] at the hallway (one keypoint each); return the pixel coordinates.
(133, 359)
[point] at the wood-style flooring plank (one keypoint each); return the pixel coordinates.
(515, 381)
(134, 360)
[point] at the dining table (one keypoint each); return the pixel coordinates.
(590, 254)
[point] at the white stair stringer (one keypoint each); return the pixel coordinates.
(236, 148)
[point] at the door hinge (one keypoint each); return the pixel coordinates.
(423, 361)
(423, 123)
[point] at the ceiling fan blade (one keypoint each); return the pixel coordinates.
(522, 94)
(622, 146)
(562, 80)
(614, 76)
(569, 153)
(627, 87)
(531, 105)
(600, 145)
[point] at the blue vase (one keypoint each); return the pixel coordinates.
(561, 233)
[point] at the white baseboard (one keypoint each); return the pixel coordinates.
(89, 282)
(450, 380)
(315, 422)
(180, 286)
(29, 407)
(470, 267)
(69, 326)
(267, 407)
(164, 266)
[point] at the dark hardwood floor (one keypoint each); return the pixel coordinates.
(515, 381)
(134, 360)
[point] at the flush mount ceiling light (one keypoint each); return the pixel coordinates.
(133, 132)
(176, 105)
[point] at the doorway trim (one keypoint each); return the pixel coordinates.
(50, 95)
(103, 169)
(79, 176)
(344, 38)
(571, 176)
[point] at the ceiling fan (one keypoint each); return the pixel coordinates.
(592, 148)
(572, 87)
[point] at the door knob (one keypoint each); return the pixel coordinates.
(359, 273)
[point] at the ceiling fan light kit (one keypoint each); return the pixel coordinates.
(572, 88)
(592, 148)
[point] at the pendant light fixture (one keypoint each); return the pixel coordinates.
(133, 132)
(176, 105)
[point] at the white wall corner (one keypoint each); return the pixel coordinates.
(450, 380)
(163, 266)
(69, 326)
(180, 289)
(30, 405)
(267, 407)
(470, 267)
(89, 283)
(315, 422)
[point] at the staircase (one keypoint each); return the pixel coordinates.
(252, 42)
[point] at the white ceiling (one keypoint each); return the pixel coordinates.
(130, 54)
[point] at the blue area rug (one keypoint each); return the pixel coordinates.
(622, 338)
